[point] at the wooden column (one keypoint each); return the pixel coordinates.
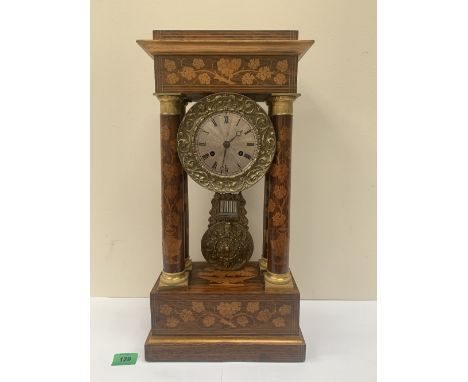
(279, 190)
(173, 189)
(266, 197)
(264, 259)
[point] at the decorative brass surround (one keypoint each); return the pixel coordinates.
(282, 104)
(171, 104)
(262, 263)
(205, 108)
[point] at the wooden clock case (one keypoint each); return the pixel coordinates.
(199, 313)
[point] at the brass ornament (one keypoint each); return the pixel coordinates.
(253, 114)
(220, 209)
(227, 245)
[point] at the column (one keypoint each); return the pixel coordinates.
(266, 197)
(173, 187)
(279, 191)
(264, 259)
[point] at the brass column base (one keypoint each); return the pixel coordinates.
(174, 279)
(188, 264)
(278, 278)
(262, 263)
(221, 349)
(278, 281)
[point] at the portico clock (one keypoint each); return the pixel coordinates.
(228, 307)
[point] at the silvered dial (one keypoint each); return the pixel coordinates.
(226, 144)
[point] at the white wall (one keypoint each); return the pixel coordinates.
(333, 211)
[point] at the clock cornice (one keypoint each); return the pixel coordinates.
(226, 47)
(200, 62)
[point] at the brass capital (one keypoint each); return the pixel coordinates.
(173, 279)
(171, 104)
(282, 104)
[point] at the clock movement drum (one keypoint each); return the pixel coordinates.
(228, 307)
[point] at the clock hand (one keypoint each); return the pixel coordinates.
(224, 157)
(238, 134)
(227, 144)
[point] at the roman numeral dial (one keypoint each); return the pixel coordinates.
(226, 144)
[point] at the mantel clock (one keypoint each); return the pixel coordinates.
(227, 308)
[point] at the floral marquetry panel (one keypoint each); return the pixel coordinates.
(235, 317)
(244, 74)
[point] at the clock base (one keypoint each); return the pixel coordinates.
(225, 316)
(225, 349)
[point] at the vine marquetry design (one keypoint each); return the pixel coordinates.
(278, 204)
(227, 71)
(278, 207)
(228, 277)
(233, 315)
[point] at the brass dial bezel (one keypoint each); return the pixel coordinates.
(255, 116)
